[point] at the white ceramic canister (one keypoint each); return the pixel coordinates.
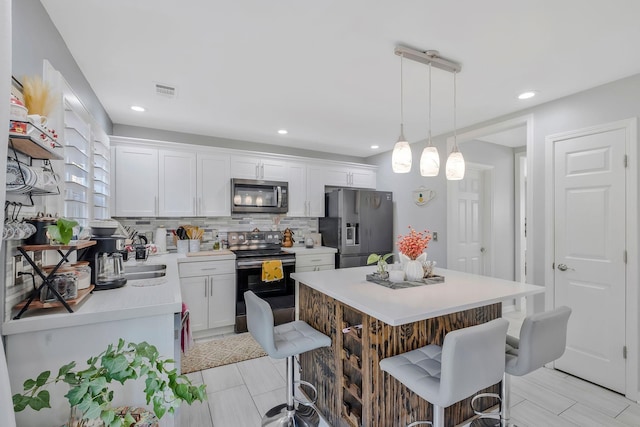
(160, 239)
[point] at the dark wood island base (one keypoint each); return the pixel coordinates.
(352, 390)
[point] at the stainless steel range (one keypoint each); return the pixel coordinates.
(252, 248)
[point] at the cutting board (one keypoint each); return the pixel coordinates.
(210, 253)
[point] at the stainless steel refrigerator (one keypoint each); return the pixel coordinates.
(357, 223)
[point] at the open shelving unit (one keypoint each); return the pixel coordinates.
(64, 251)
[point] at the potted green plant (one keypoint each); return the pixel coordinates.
(62, 231)
(382, 264)
(89, 392)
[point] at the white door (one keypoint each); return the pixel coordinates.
(589, 203)
(136, 181)
(214, 185)
(195, 294)
(222, 300)
(466, 223)
(177, 187)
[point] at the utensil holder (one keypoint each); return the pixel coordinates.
(183, 246)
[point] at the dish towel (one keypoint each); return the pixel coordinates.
(186, 339)
(272, 270)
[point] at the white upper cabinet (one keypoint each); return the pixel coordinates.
(349, 176)
(136, 181)
(297, 178)
(177, 183)
(214, 185)
(262, 168)
(165, 180)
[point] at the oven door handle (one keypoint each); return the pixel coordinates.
(245, 265)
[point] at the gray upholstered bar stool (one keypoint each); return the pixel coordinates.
(284, 341)
(543, 338)
(469, 360)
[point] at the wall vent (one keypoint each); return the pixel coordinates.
(166, 90)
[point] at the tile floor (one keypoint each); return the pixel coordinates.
(240, 393)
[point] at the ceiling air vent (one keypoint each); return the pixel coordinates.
(165, 90)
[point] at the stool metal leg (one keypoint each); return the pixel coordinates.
(438, 416)
(286, 414)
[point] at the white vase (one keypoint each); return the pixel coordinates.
(413, 269)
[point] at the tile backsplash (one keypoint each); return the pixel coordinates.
(221, 225)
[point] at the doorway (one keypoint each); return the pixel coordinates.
(503, 147)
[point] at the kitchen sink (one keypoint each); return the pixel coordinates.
(144, 271)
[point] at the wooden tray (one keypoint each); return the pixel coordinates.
(82, 295)
(431, 280)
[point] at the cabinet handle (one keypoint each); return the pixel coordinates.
(262, 171)
(195, 206)
(209, 269)
(257, 171)
(156, 204)
(206, 286)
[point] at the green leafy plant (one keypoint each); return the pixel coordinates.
(381, 260)
(62, 231)
(89, 390)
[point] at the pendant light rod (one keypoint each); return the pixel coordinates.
(430, 143)
(428, 57)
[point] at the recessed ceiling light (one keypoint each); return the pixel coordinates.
(527, 95)
(137, 108)
(375, 147)
(283, 132)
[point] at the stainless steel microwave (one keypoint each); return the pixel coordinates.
(256, 196)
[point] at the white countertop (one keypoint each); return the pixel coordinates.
(460, 291)
(113, 304)
(311, 251)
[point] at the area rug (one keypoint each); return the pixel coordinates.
(219, 352)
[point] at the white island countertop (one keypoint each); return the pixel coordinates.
(459, 292)
(128, 302)
(316, 250)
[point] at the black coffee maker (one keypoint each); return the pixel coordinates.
(104, 248)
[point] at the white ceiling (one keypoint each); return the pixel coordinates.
(325, 70)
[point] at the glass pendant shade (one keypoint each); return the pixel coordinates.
(401, 157)
(455, 166)
(430, 161)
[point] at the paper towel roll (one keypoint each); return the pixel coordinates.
(160, 239)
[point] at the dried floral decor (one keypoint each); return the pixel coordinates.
(38, 96)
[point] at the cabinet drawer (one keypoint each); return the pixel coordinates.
(314, 260)
(208, 268)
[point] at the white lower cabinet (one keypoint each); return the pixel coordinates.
(209, 290)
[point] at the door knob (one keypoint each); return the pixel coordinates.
(564, 267)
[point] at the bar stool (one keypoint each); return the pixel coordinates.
(469, 360)
(284, 341)
(543, 338)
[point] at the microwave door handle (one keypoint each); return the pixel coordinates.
(279, 196)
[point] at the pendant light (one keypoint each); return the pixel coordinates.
(455, 163)
(430, 159)
(401, 156)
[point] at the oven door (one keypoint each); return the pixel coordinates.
(279, 294)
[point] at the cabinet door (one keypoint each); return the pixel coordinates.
(251, 167)
(136, 181)
(363, 178)
(177, 183)
(273, 170)
(195, 293)
(315, 191)
(214, 185)
(336, 176)
(222, 300)
(297, 178)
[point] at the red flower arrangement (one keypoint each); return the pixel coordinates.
(413, 244)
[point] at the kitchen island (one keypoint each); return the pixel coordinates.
(48, 338)
(368, 322)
